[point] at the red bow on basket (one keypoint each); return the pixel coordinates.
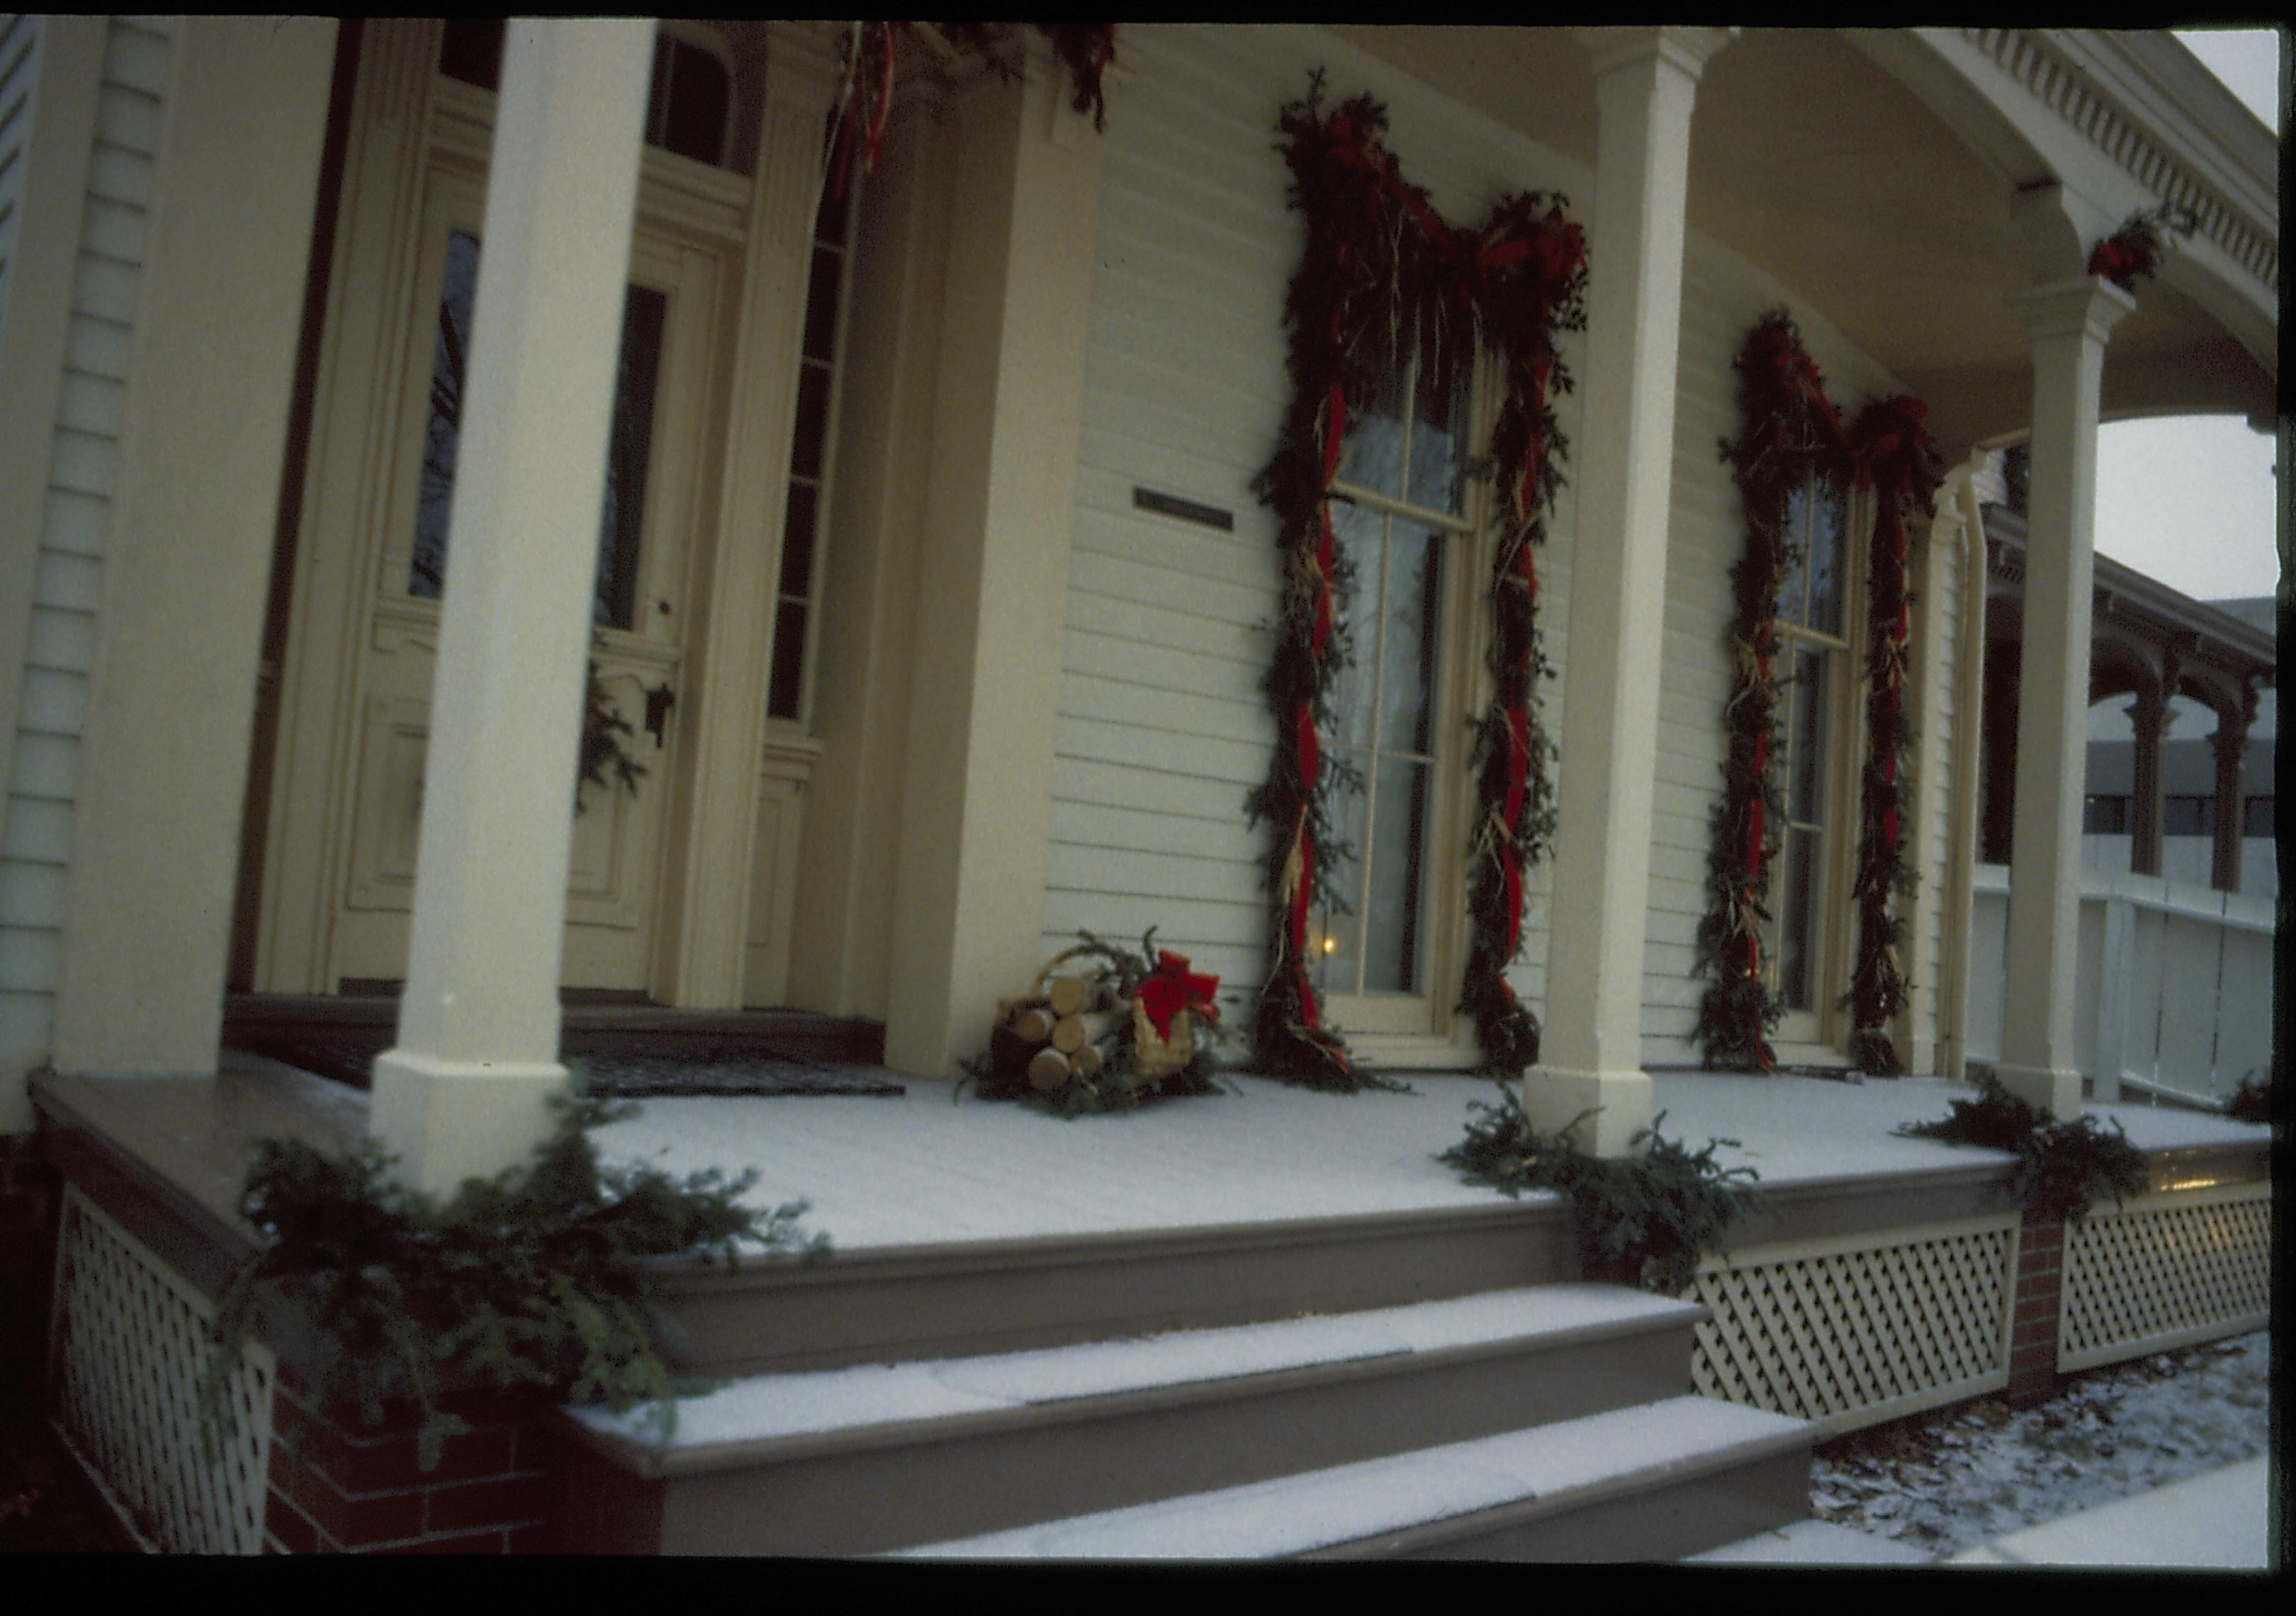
(1173, 988)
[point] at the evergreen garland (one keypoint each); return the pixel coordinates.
(1537, 292)
(603, 760)
(2133, 252)
(1384, 280)
(534, 1278)
(2061, 1166)
(1647, 1218)
(1791, 433)
(864, 91)
(2252, 1102)
(1897, 459)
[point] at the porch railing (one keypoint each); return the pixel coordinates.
(2174, 990)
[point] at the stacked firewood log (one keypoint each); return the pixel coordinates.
(1102, 1028)
(1071, 1027)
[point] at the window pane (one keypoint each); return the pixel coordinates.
(821, 307)
(1829, 520)
(797, 542)
(471, 49)
(2104, 816)
(1407, 663)
(788, 690)
(1393, 936)
(1805, 787)
(628, 449)
(812, 421)
(1355, 534)
(1435, 448)
(2189, 817)
(1336, 936)
(829, 216)
(1373, 456)
(1796, 912)
(621, 514)
(450, 360)
(695, 121)
(2259, 818)
(1793, 578)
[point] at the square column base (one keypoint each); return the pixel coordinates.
(1555, 1099)
(2057, 1093)
(449, 1121)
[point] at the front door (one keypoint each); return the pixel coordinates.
(357, 677)
(637, 615)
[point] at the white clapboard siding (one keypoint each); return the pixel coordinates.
(20, 68)
(1163, 727)
(36, 819)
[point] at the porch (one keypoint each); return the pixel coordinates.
(1316, 1233)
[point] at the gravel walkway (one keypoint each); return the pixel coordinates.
(1963, 1476)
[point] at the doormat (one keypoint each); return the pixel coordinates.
(638, 1077)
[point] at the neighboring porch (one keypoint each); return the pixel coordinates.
(1891, 1274)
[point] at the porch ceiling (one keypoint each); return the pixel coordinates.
(1815, 163)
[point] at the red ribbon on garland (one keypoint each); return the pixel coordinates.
(1173, 987)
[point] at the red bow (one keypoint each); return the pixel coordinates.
(2117, 261)
(1173, 988)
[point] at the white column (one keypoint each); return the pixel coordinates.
(464, 1092)
(2067, 321)
(1645, 81)
(152, 839)
(976, 807)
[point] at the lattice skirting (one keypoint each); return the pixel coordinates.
(2166, 1271)
(1856, 1329)
(131, 1344)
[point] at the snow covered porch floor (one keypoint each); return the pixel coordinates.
(922, 1169)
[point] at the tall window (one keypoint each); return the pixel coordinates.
(1397, 513)
(1812, 629)
(812, 445)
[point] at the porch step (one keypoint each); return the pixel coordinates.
(1658, 1481)
(888, 1304)
(866, 1459)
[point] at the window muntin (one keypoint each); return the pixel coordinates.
(622, 517)
(1815, 644)
(1396, 516)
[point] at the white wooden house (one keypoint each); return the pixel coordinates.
(932, 582)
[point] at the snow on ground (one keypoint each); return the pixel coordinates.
(1946, 1482)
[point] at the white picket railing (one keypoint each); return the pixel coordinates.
(2174, 991)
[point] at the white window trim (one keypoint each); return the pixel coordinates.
(1425, 1031)
(1819, 1035)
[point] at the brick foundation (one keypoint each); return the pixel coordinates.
(341, 1486)
(2034, 1309)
